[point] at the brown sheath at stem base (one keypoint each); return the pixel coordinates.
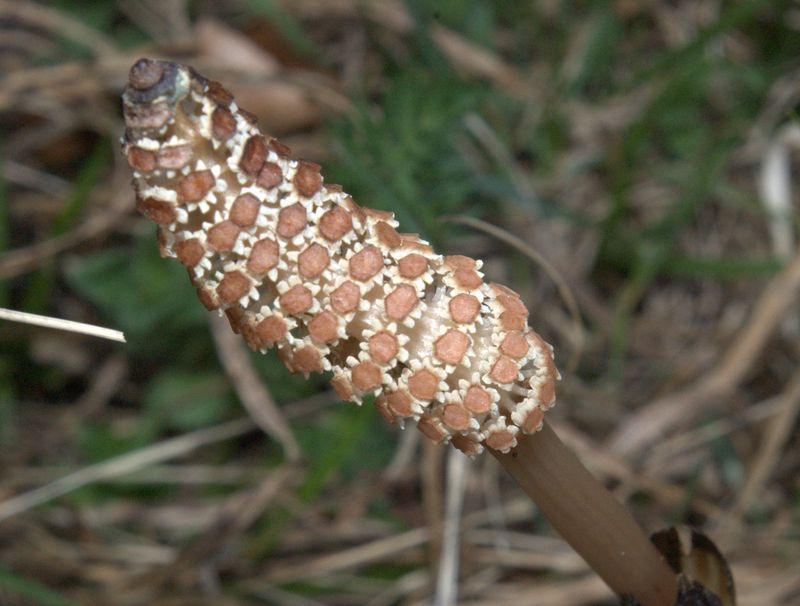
(589, 518)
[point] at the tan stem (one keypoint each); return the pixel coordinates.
(589, 518)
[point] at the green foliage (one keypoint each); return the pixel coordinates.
(30, 591)
(345, 441)
(145, 296)
(182, 400)
(405, 157)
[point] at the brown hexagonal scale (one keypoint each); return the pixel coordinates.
(467, 278)
(313, 261)
(270, 175)
(477, 400)
(412, 266)
(141, 159)
(413, 241)
(236, 318)
(355, 209)
(285, 355)
(253, 155)
(451, 346)
(423, 384)
(387, 235)
(174, 157)
(263, 256)
(152, 116)
(307, 178)
(533, 420)
(466, 445)
(401, 301)
(307, 359)
(233, 286)
(377, 214)
(383, 347)
(189, 251)
(464, 308)
(271, 329)
(512, 322)
(500, 440)
(365, 263)
(335, 223)
(244, 210)
(345, 298)
(194, 186)
(432, 428)
(222, 236)
(456, 417)
(512, 304)
(455, 262)
(367, 376)
(400, 403)
(382, 405)
(542, 345)
(223, 124)
(291, 220)
(544, 389)
(502, 289)
(504, 370)
(323, 327)
(218, 93)
(343, 387)
(296, 300)
(160, 211)
(208, 298)
(250, 117)
(514, 345)
(279, 148)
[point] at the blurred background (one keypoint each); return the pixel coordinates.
(626, 166)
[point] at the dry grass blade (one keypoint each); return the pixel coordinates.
(21, 260)
(388, 548)
(60, 324)
(236, 515)
(251, 391)
(777, 432)
(127, 463)
(477, 61)
(447, 578)
(645, 426)
(59, 23)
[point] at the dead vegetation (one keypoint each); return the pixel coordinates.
(644, 151)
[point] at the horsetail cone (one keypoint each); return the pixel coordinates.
(297, 265)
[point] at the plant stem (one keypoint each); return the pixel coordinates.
(589, 518)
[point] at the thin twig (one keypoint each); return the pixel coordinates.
(61, 324)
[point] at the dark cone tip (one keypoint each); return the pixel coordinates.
(145, 74)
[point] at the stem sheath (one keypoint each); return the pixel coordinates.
(589, 518)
